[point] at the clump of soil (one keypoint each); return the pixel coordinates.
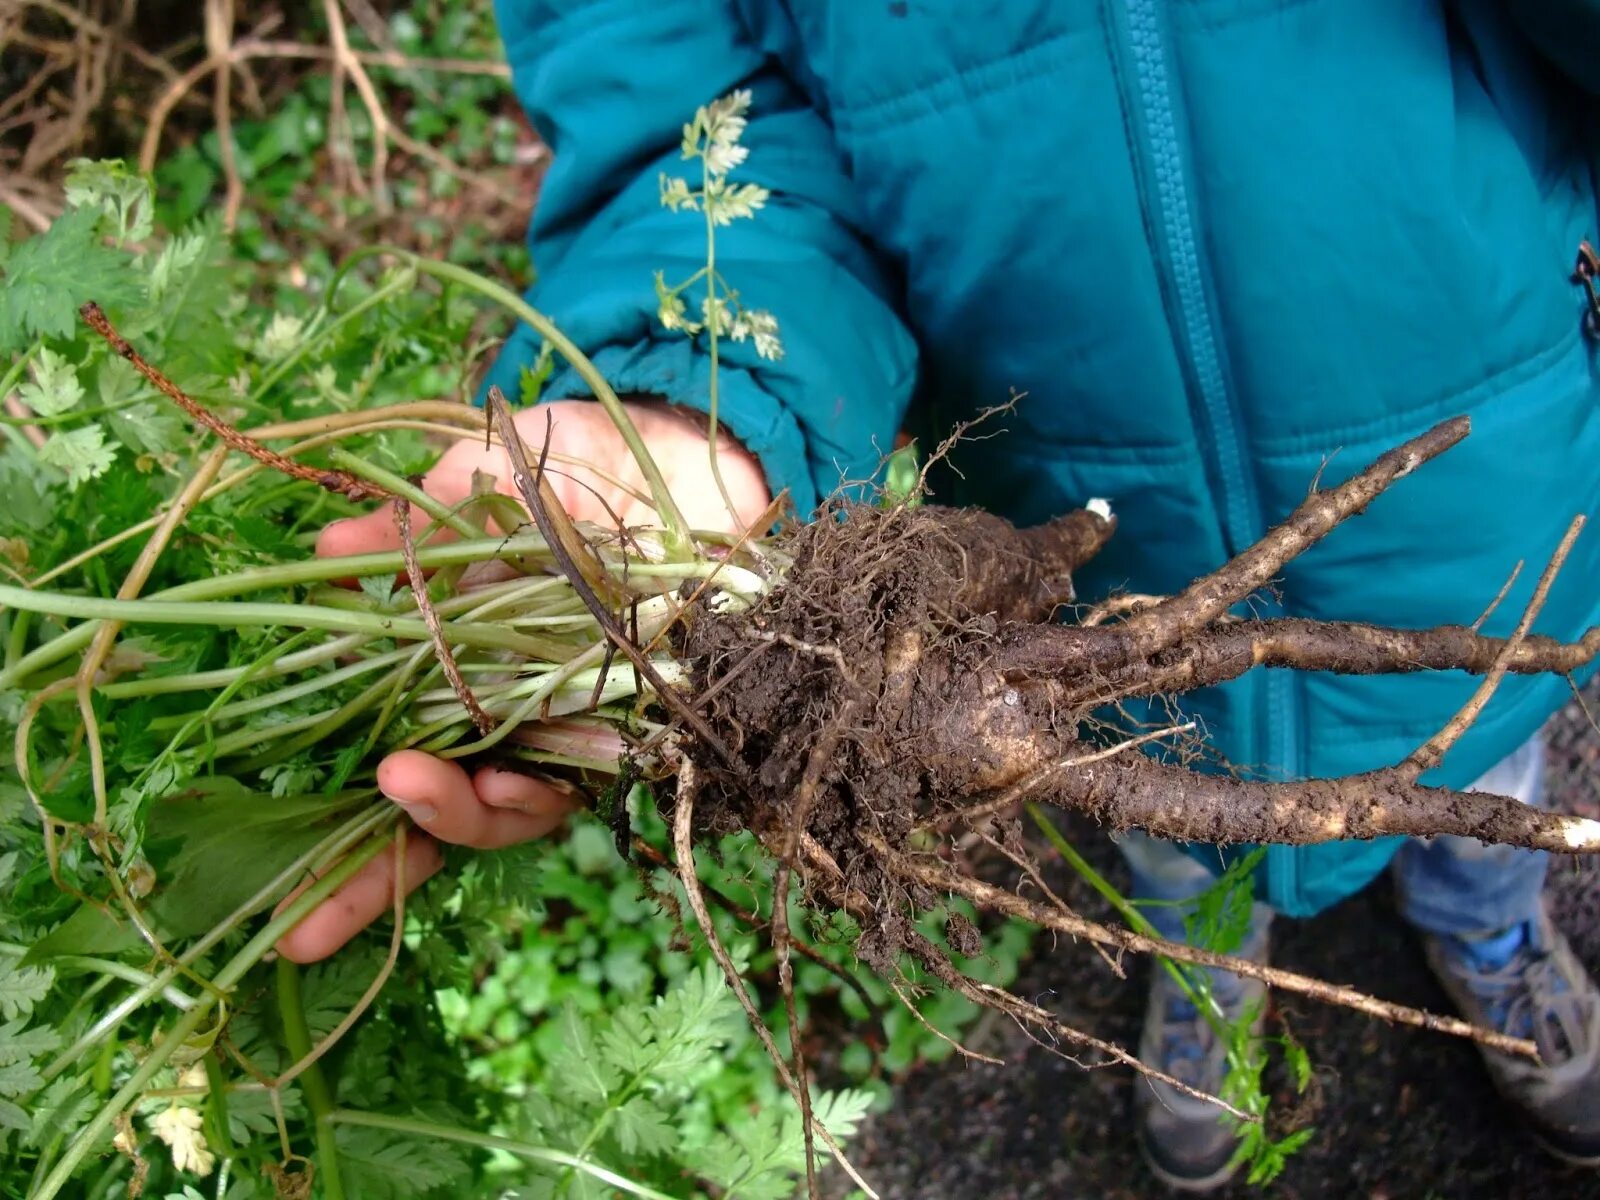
(844, 693)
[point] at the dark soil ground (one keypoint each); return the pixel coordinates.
(1400, 1114)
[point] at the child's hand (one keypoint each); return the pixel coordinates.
(493, 808)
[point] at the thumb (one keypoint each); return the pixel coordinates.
(449, 482)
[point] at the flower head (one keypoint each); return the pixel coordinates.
(714, 134)
(179, 1128)
(727, 204)
(714, 312)
(761, 327)
(675, 193)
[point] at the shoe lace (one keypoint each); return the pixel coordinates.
(1532, 997)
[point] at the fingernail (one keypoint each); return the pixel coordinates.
(566, 787)
(419, 811)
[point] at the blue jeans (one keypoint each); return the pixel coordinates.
(1451, 885)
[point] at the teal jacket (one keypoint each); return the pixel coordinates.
(1217, 245)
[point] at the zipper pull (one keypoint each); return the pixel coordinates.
(1587, 272)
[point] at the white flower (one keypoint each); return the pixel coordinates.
(727, 204)
(675, 194)
(179, 1128)
(724, 156)
(720, 124)
(725, 117)
(714, 312)
(281, 336)
(762, 327)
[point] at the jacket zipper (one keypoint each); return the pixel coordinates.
(1277, 732)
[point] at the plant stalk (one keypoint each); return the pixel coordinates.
(319, 1099)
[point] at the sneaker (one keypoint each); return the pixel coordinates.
(1526, 981)
(1189, 1143)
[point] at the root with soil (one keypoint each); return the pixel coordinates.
(902, 682)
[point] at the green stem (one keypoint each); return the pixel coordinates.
(317, 733)
(487, 1141)
(17, 638)
(196, 681)
(237, 614)
(319, 1099)
(311, 570)
(220, 710)
(66, 418)
(18, 366)
(88, 1137)
(401, 486)
(1195, 987)
(678, 534)
(106, 966)
(217, 1106)
(713, 321)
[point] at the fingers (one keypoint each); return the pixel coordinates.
(492, 809)
(450, 482)
(362, 900)
(488, 810)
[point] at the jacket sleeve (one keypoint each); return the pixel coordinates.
(609, 85)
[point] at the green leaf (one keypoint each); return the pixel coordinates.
(49, 276)
(18, 1044)
(1220, 918)
(148, 429)
(1299, 1063)
(22, 987)
(329, 990)
(19, 1079)
(125, 197)
(214, 845)
(54, 388)
(89, 930)
(63, 1106)
(82, 453)
(642, 1128)
(12, 1117)
(379, 1165)
(228, 842)
(842, 1112)
(586, 1078)
(177, 259)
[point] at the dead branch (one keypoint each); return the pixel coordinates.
(430, 616)
(219, 33)
(558, 533)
